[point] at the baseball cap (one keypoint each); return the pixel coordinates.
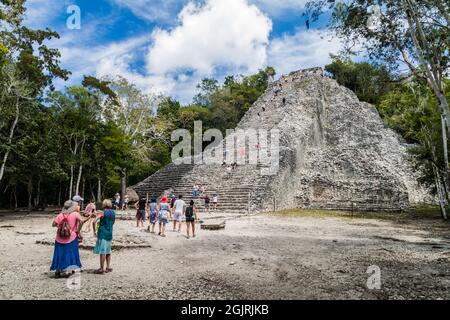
(77, 198)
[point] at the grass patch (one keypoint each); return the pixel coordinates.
(417, 212)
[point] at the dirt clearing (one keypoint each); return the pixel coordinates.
(282, 256)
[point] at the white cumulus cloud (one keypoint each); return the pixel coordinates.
(213, 39)
(231, 34)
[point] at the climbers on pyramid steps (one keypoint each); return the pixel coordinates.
(201, 189)
(215, 202)
(276, 90)
(207, 200)
(195, 191)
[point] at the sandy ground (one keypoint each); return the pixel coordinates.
(258, 257)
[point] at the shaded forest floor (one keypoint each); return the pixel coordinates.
(294, 254)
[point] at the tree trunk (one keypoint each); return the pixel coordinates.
(11, 135)
(11, 196)
(433, 79)
(83, 186)
(440, 192)
(445, 146)
(99, 190)
(30, 193)
(37, 200)
(15, 199)
(71, 182)
(91, 192)
(123, 184)
(77, 187)
(59, 195)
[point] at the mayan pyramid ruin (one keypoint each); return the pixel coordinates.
(335, 152)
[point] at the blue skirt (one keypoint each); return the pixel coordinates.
(65, 256)
(102, 246)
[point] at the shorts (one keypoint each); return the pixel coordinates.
(178, 216)
(190, 219)
(140, 215)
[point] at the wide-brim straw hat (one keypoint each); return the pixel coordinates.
(69, 207)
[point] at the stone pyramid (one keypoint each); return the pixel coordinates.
(335, 152)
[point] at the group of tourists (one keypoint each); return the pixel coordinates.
(69, 223)
(198, 190)
(214, 200)
(121, 205)
(163, 212)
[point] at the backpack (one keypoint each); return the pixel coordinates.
(189, 212)
(64, 230)
(164, 215)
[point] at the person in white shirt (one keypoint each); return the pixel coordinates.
(215, 201)
(117, 201)
(125, 203)
(179, 210)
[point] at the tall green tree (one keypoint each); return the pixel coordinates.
(27, 67)
(411, 109)
(132, 111)
(367, 81)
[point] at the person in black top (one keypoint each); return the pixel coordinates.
(191, 216)
(207, 202)
(141, 207)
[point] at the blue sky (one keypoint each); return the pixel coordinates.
(168, 46)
